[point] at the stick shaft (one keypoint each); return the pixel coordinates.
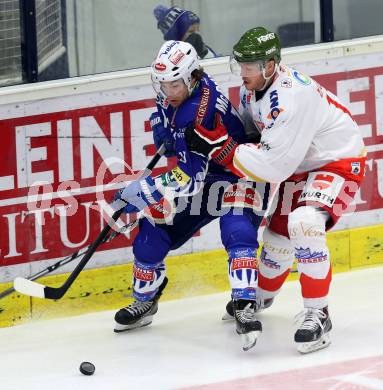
(58, 292)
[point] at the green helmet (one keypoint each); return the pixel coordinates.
(258, 44)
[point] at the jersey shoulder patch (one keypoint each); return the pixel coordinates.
(298, 78)
(301, 78)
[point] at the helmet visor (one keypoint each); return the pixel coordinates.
(246, 69)
(170, 89)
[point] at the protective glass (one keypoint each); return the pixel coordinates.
(246, 69)
(169, 88)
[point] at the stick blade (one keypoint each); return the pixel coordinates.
(28, 287)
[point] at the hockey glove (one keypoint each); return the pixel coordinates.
(214, 144)
(137, 195)
(162, 135)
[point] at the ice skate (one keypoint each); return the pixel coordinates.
(260, 305)
(138, 314)
(314, 332)
(246, 324)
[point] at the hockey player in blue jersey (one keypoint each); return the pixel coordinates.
(187, 95)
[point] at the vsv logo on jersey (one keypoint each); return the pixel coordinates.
(275, 110)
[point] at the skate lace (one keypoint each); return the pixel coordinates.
(246, 315)
(138, 307)
(310, 319)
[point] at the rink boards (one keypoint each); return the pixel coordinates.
(61, 133)
(189, 275)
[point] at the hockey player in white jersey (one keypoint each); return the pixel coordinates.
(311, 145)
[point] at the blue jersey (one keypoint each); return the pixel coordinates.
(201, 107)
(193, 174)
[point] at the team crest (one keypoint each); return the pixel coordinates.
(355, 167)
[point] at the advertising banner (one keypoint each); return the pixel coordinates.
(59, 154)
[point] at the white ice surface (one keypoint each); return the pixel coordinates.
(189, 345)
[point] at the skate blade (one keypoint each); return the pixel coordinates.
(227, 317)
(313, 346)
(249, 340)
(118, 328)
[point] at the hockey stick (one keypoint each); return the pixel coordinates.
(31, 288)
(70, 258)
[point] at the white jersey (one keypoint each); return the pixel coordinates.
(302, 125)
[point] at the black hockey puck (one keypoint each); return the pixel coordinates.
(87, 368)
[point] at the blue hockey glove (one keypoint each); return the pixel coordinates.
(162, 135)
(137, 195)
